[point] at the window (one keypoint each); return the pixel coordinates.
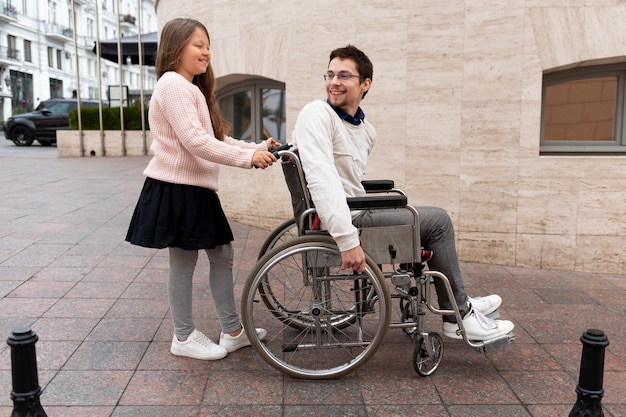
(273, 113)
(22, 88)
(256, 109)
(59, 59)
(237, 109)
(52, 12)
(56, 88)
(90, 28)
(60, 107)
(27, 51)
(50, 57)
(93, 93)
(583, 110)
(12, 51)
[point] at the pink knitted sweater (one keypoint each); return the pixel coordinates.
(184, 146)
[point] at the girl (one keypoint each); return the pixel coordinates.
(178, 207)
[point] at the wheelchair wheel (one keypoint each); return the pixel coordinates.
(285, 231)
(427, 353)
(330, 321)
(275, 303)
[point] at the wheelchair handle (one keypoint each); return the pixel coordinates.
(283, 147)
(275, 151)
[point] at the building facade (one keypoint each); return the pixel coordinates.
(460, 102)
(42, 56)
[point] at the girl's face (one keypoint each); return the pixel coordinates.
(195, 55)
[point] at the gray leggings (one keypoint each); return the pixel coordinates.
(436, 234)
(180, 288)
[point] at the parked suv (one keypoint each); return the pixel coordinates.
(42, 123)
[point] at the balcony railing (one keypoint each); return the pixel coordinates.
(8, 10)
(59, 32)
(10, 54)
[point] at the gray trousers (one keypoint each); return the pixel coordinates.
(436, 234)
(180, 288)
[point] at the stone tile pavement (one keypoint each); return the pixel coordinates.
(98, 306)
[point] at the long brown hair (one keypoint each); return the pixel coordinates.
(174, 36)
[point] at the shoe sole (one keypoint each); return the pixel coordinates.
(475, 339)
(198, 356)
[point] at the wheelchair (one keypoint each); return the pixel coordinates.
(323, 322)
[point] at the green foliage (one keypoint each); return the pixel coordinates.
(110, 118)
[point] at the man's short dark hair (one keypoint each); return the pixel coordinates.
(363, 64)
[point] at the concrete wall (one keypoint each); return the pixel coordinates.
(107, 143)
(456, 100)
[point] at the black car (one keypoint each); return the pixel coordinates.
(42, 123)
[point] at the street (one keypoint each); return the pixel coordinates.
(8, 147)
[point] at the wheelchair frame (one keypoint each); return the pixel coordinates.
(323, 322)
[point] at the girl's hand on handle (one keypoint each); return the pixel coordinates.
(263, 159)
(272, 143)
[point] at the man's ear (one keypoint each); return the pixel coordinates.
(365, 85)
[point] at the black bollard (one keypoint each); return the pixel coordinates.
(589, 388)
(26, 389)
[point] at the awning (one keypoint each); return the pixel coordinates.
(130, 48)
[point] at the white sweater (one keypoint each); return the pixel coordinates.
(185, 148)
(334, 157)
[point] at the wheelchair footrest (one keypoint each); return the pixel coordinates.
(498, 342)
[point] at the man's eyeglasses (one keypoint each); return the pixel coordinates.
(342, 76)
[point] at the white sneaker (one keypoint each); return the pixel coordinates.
(233, 343)
(198, 346)
(478, 327)
(486, 305)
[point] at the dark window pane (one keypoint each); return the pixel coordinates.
(273, 113)
(242, 115)
(236, 109)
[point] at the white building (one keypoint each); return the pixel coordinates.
(39, 57)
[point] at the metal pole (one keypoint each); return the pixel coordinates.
(589, 388)
(99, 69)
(26, 389)
(141, 94)
(121, 75)
(76, 62)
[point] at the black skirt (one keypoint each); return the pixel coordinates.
(178, 215)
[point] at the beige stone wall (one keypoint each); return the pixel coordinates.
(105, 143)
(456, 100)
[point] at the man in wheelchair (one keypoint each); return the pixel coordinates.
(334, 141)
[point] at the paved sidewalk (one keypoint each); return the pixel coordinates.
(99, 307)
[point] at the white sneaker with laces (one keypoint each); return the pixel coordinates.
(486, 305)
(478, 327)
(198, 346)
(233, 343)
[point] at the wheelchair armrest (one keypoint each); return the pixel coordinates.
(377, 185)
(387, 201)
